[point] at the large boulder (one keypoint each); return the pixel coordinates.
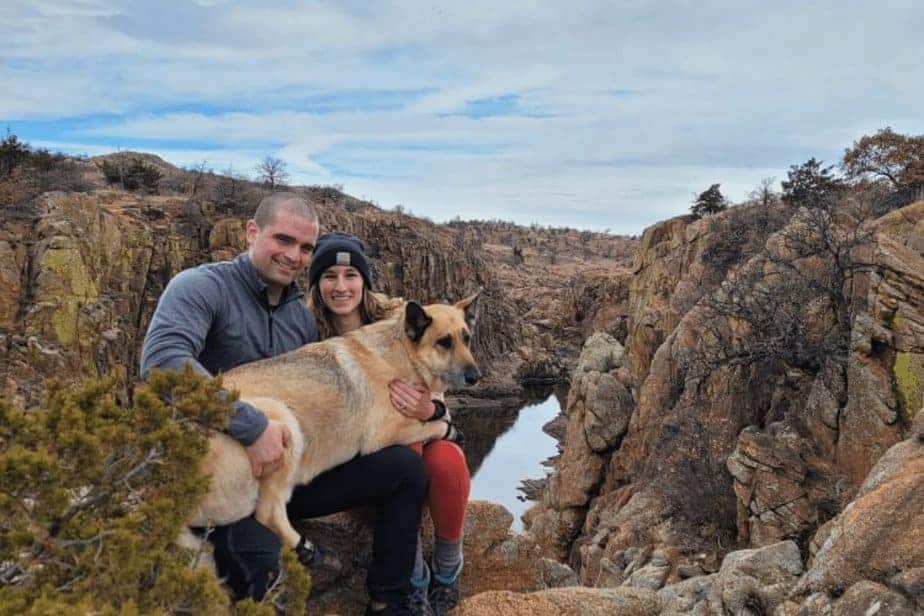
(598, 410)
(573, 601)
(749, 583)
(783, 487)
(879, 536)
(495, 558)
(865, 598)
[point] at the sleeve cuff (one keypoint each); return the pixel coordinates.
(439, 410)
(247, 423)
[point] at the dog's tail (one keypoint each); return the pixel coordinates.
(200, 547)
(189, 540)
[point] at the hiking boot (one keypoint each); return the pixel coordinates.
(410, 603)
(443, 595)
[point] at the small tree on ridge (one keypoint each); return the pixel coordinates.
(710, 201)
(272, 172)
(811, 185)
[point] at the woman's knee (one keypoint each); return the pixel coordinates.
(444, 460)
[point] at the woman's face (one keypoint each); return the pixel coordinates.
(341, 289)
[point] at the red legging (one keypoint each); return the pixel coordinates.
(447, 472)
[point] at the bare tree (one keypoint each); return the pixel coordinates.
(764, 193)
(272, 172)
(199, 172)
(585, 238)
(808, 268)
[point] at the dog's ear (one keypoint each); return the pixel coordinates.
(416, 321)
(470, 306)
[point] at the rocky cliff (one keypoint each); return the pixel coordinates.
(768, 368)
(742, 429)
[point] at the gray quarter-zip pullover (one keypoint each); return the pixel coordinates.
(217, 316)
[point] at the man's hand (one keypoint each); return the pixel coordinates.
(266, 453)
(411, 400)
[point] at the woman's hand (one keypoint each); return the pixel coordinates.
(411, 400)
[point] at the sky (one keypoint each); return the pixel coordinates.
(589, 114)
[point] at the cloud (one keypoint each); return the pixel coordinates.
(598, 114)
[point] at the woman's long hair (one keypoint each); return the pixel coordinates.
(372, 308)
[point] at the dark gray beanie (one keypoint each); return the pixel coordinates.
(338, 249)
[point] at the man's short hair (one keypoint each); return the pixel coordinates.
(288, 201)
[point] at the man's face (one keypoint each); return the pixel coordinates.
(281, 250)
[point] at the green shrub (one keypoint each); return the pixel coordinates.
(812, 185)
(131, 173)
(710, 201)
(92, 497)
(13, 153)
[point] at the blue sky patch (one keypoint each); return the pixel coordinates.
(495, 106)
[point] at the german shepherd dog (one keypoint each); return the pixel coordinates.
(333, 397)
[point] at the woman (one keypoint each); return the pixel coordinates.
(342, 299)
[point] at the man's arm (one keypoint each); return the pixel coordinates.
(177, 336)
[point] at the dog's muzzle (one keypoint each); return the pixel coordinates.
(472, 375)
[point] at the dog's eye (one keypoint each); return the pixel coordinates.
(466, 338)
(445, 342)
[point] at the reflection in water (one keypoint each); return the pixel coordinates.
(504, 447)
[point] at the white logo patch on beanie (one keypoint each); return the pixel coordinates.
(343, 258)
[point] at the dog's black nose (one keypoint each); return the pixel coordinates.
(472, 374)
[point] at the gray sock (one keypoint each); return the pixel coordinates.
(420, 577)
(447, 559)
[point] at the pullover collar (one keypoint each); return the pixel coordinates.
(257, 285)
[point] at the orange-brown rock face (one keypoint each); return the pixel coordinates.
(740, 436)
(80, 275)
(75, 310)
(886, 371)
(598, 411)
(881, 533)
(621, 531)
(598, 302)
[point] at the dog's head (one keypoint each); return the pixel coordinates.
(441, 335)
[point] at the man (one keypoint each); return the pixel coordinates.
(220, 315)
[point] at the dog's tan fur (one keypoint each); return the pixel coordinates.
(333, 396)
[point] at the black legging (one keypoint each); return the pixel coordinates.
(391, 480)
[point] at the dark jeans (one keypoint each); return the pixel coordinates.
(391, 480)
